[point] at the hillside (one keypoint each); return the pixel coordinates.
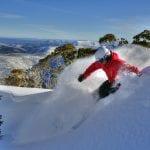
(44, 119)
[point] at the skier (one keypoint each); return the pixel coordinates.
(111, 64)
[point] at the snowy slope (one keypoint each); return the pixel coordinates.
(38, 120)
(9, 62)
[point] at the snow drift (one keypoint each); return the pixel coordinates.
(45, 120)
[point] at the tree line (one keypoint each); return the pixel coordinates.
(142, 39)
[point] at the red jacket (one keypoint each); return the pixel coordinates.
(111, 68)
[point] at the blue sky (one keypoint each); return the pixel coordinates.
(73, 19)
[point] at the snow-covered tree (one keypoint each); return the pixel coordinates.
(142, 38)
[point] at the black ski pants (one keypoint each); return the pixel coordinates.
(106, 88)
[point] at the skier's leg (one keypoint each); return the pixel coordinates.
(115, 87)
(104, 89)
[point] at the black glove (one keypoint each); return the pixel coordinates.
(80, 78)
(139, 74)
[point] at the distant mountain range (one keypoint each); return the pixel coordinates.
(6, 49)
(38, 46)
(24, 53)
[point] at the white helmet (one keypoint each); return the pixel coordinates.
(101, 53)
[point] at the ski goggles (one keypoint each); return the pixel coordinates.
(105, 58)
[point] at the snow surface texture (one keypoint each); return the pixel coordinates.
(44, 120)
(23, 61)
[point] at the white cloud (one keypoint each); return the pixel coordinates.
(10, 16)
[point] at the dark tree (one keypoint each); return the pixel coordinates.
(107, 38)
(83, 52)
(142, 38)
(123, 41)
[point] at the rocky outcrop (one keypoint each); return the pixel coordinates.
(45, 73)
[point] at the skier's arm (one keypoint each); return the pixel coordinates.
(93, 67)
(131, 68)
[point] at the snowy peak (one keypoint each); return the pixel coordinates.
(6, 49)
